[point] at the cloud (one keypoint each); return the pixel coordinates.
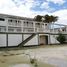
(19, 9)
(23, 8)
(60, 2)
(10, 7)
(62, 14)
(45, 5)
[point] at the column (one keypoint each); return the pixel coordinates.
(34, 26)
(6, 21)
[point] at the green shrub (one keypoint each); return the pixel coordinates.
(61, 38)
(31, 61)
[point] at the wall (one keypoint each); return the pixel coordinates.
(53, 39)
(11, 40)
(26, 36)
(3, 23)
(2, 40)
(15, 39)
(33, 41)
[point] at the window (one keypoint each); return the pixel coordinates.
(15, 20)
(1, 19)
(45, 24)
(19, 23)
(9, 20)
(26, 24)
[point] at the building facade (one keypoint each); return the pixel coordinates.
(14, 30)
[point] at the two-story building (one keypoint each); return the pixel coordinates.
(14, 30)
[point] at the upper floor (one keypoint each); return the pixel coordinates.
(10, 23)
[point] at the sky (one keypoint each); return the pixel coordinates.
(31, 8)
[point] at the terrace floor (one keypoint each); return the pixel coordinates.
(46, 56)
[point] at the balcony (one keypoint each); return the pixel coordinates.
(28, 30)
(2, 29)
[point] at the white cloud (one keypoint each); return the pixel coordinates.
(62, 14)
(8, 7)
(60, 2)
(45, 5)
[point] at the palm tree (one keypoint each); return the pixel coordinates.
(50, 19)
(47, 18)
(38, 18)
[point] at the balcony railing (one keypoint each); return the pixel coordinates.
(30, 30)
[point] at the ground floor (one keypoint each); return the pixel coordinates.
(26, 39)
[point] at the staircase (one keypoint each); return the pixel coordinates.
(26, 40)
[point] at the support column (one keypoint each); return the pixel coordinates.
(22, 26)
(49, 42)
(34, 26)
(38, 39)
(6, 40)
(6, 25)
(22, 37)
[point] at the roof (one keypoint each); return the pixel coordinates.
(16, 17)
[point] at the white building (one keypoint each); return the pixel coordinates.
(15, 30)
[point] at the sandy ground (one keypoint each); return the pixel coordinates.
(47, 56)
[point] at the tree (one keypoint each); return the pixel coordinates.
(38, 18)
(46, 19)
(50, 19)
(61, 38)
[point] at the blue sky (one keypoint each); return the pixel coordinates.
(31, 8)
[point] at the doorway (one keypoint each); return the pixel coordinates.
(43, 40)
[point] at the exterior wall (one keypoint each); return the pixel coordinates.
(46, 26)
(14, 39)
(2, 40)
(3, 23)
(33, 41)
(11, 40)
(53, 39)
(26, 36)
